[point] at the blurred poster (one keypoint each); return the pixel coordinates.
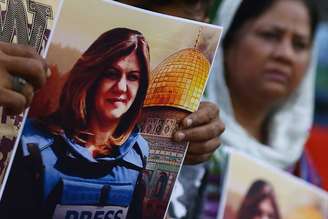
(29, 23)
(253, 189)
(99, 133)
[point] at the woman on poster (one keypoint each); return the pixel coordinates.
(259, 202)
(87, 157)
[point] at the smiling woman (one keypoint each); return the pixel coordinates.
(114, 95)
(118, 89)
(92, 152)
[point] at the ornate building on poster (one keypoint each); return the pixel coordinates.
(174, 91)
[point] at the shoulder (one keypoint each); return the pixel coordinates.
(137, 150)
(143, 145)
(33, 133)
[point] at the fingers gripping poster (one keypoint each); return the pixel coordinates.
(97, 140)
(24, 22)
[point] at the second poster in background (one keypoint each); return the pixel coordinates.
(105, 142)
(253, 189)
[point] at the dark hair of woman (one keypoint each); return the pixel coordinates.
(251, 9)
(259, 191)
(78, 92)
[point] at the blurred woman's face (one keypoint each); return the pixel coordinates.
(270, 54)
(118, 88)
(264, 210)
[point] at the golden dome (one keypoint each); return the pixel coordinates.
(179, 80)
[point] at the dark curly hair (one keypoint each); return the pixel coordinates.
(78, 92)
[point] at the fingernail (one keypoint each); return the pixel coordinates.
(188, 122)
(180, 136)
(48, 72)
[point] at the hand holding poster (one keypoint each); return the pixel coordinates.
(28, 23)
(95, 152)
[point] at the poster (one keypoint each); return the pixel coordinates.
(122, 79)
(28, 23)
(254, 189)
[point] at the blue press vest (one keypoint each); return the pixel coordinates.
(84, 180)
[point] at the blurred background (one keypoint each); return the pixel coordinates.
(321, 112)
(317, 145)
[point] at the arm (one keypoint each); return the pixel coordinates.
(22, 72)
(202, 128)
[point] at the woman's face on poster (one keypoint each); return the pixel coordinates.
(118, 88)
(264, 210)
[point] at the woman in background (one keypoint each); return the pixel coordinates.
(266, 90)
(263, 81)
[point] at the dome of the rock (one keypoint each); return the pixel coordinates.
(179, 80)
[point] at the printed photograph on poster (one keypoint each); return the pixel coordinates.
(261, 191)
(98, 135)
(28, 23)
